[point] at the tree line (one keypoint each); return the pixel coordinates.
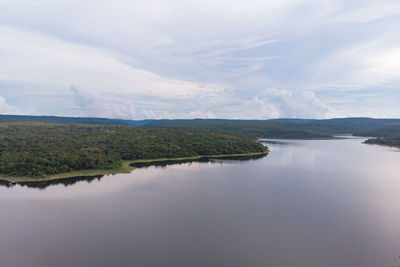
(40, 149)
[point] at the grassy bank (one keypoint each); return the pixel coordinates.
(125, 168)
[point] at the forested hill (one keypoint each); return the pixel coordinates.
(387, 136)
(284, 128)
(56, 119)
(362, 124)
(265, 129)
(274, 128)
(385, 141)
(259, 129)
(40, 149)
(316, 127)
(382, 132)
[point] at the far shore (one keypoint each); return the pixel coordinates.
(125, 168)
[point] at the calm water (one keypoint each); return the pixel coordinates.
(308, 203)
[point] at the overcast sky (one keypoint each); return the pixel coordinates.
(253, 59)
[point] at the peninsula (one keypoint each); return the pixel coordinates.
(37, 151)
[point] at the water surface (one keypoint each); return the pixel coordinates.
(308, 203)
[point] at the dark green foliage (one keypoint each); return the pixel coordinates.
(349, 125)
(284, 128)
(362, 123)
(71, 120)
(386, 141)
(318, 127)
(275, 128)
(260, 129)
(32, 149)
(383, 132)
(55, 119)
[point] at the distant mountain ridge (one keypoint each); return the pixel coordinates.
(389, 131)
(273, 128)
(260, 129)
(72, 120)
(56, 119)
(356, 122)
(393, 141)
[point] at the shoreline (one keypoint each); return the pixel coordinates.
(125, 168)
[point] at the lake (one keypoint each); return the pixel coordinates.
(308, 203)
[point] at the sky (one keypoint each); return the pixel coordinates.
(155, 59)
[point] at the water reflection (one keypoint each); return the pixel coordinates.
(274, 142)
(313, 203)
(62, 181)
(73, 180)
(220, 160)
(65, 181)
(6, 184)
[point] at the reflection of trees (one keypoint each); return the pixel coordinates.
(64, 181)
(220, 160)
(74, 180)
(6, 184)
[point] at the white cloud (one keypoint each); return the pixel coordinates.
(370, 64)
(53, 65)
(182, 59)
(92, 104)
(42, 60)
(6, 108)
(375, 10)
(289, 104)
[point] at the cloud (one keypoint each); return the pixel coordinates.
(6, 108)
(182, 59)
(369, 13)
(370, 64)
(50, 66)
(43, 60)
(287, 104)
(96, 105)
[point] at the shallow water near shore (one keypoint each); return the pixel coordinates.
(307, 203)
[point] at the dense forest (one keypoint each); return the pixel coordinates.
(284, 128)
(259, 129)
(273, 128)
(40, 149)
(389, 131)
(45, 145)
(386, 141)
(55, 119)
(366, 124)
(316, 127)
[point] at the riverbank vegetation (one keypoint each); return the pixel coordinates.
(41, 149)
(390, 131)
(393, 141)
(386, 136)
(272, 128)
(259, 129)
